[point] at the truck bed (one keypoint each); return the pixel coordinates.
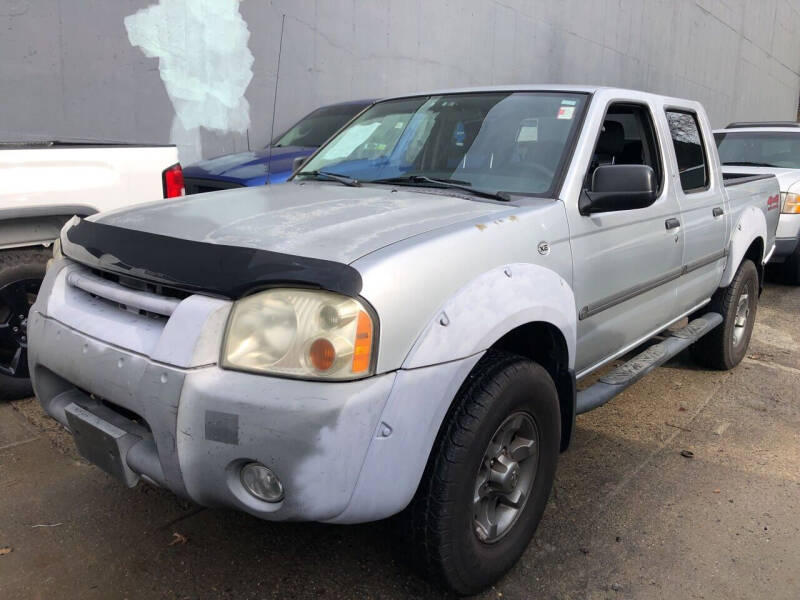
(730, 179)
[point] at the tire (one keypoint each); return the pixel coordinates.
(21, 274)
(791, 268)
(441, 525)
(725, 346)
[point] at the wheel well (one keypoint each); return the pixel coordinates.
(545, 344)
(756, 253)
(31, 231)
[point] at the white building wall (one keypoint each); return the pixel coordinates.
(69, 70)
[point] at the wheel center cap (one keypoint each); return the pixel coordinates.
(505, 473)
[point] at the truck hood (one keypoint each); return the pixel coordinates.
(249, 168)
(318, 220)
(786, 177)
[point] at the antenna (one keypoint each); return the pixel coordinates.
(275, 99)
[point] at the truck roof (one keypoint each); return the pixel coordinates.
(552, 87)
(761, 128)
(763, 125)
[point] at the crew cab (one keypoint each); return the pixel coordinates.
(771, 147)
(400, 328)
(42, 186)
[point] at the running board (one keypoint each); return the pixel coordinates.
(632, 371)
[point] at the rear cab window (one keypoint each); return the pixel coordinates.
(689, 150)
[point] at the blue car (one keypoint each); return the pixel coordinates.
(250, 168)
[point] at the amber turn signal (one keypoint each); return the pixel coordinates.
(363, 346)
(791, 204)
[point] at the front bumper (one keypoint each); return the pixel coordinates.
(786, 238)
(191, 430)
(135, 378)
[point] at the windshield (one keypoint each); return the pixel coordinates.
(779, 149)
(486, 142)
(312, 130)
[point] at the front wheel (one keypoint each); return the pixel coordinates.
(725, 346)
(489, 475)
(21, 274)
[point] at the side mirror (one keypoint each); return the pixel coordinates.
(298, 162)
(619, 187)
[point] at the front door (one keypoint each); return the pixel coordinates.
(625, 263)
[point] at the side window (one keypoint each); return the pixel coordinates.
(627, 137)
(689, 150)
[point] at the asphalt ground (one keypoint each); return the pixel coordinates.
(629, 517)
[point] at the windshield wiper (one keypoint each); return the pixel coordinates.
(351, 181)
(748, 164)
(455, 184)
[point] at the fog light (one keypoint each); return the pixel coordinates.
(261, 482)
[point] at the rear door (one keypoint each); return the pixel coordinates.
(700, 197)
(625, 263)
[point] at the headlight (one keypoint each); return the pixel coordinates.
(791, 204)
(300, 333)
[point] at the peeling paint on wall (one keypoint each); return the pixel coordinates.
(204, 62)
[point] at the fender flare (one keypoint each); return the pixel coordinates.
(453, 342)
(752, 225)
(490, 306)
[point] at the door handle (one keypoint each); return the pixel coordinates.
(672, 223)
(717, 212)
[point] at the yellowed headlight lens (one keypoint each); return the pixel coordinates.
(300, 333)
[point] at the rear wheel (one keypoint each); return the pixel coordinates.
(724, 347)
(489, 475)
(21, 274)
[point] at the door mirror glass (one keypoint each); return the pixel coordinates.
(619, 187)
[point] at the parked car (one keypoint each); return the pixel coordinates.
(400, 328)
(770, 147)
(275, 161)
(43, 185)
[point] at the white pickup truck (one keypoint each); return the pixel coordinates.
(42, 186)
(401, 327)
(770, 148)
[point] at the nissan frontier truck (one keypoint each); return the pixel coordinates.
(400, 329)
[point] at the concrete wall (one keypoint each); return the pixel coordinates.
(70, 69)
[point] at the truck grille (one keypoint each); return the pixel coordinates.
(127, 293)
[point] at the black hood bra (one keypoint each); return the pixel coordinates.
(216, 269)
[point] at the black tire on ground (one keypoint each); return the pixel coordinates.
(21, 272)
(724, 347)
(440, 527)
(791, 268)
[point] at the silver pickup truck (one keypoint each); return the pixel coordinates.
(402, 326)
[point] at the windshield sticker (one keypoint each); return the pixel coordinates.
(528, 131)
(569, 102)
(350, 140)
(566, 112)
